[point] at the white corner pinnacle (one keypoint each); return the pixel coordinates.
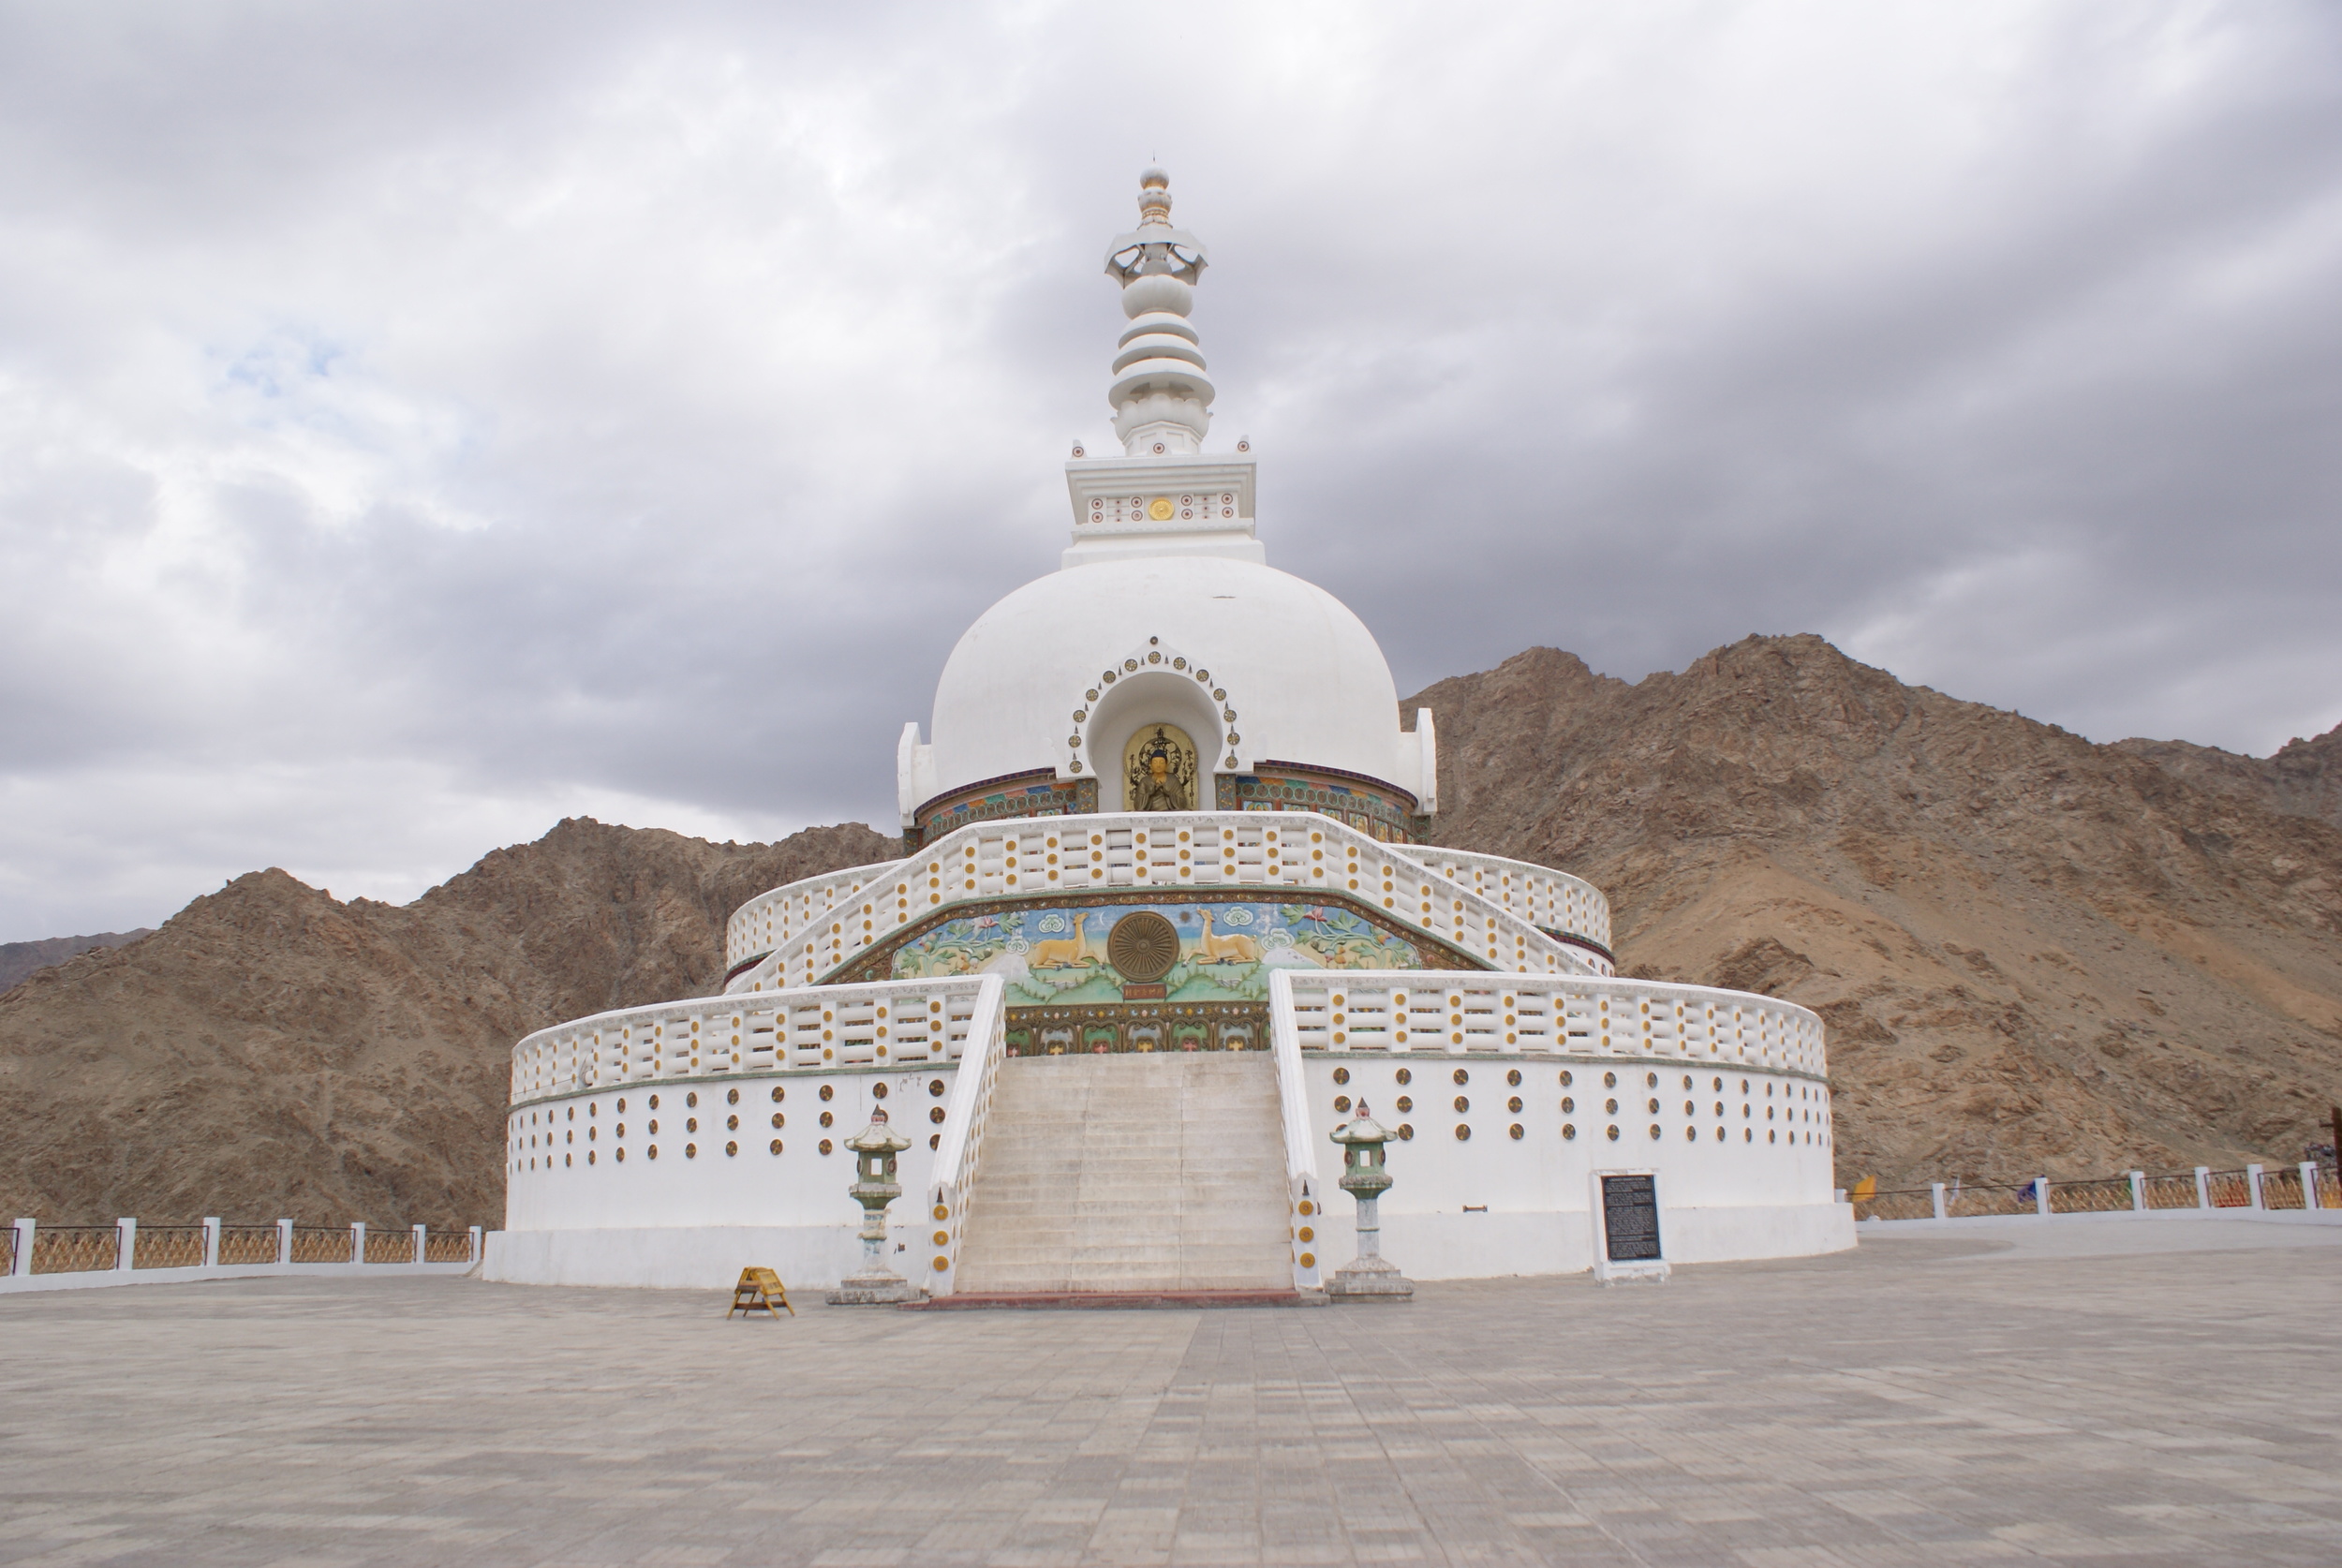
(1425, 762)
(1163, 496)
(914, 773)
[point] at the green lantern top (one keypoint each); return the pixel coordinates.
(1361, 1129)
(878, 1138)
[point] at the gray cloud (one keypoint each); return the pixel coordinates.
(416, 422)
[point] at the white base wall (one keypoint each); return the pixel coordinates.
(1484, 1246)
(1425, 1246)
(696, 1257)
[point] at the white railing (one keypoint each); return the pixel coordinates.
(1551, 899)
(1397, 1011)
(1299, 853)
(1305, 1207)
(770, 918)
(960, 1156)
(37, 1257)
(891, 1023)
(2253, 1192)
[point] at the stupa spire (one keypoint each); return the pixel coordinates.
(1161, 396)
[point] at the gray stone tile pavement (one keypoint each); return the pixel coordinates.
(1927, 1400)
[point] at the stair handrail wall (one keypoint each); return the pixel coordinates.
(1304, 1209)
(1296, 851)
(959, 1159)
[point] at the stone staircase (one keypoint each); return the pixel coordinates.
(1135, 1171)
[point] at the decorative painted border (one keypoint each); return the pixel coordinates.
(1037, 792)
(1383, 811)
(1105, 1027)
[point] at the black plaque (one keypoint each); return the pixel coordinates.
(1630, 1217)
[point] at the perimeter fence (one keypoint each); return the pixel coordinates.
(2254, 1188)
(128, 1248)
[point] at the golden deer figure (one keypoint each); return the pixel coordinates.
(1069, 953)
(1234, 948)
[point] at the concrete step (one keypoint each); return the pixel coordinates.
(1131, 1172)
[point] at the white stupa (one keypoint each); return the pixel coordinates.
(1165, 918)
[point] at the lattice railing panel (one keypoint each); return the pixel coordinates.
(167, 1247)
(75, 1248)
(317, 1244)
(2282, 1190)
(2230, 1188)
(248, 1244)
(2107, 1195)
(447, 1247)
(2171, 1192)
(390, 1245)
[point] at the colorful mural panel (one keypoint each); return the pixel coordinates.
(1054, 957)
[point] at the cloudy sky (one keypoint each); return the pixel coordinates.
(421, 422)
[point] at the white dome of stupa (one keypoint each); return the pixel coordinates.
(1303, 680)
(1164, 615)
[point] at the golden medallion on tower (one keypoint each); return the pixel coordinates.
(1160, 509)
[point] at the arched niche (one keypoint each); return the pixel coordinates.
(1143, 700)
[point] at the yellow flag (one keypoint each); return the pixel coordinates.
(1863, 1190)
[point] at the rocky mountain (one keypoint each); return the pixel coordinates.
(18, 959)
(272, 1051)
(2302, 779)
(2034, 954)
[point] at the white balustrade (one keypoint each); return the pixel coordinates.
(959, 1156)
(1298, 854)
(1550, 899)
(1397, 1010)
(770, 918)
(896, 1023)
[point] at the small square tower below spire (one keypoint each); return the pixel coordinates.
(1174, 505)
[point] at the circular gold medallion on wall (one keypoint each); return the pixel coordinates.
(1143, 946)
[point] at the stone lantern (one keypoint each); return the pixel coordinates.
(1368, 1277)
(874, 1148)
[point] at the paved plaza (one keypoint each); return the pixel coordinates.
(2160, 1393)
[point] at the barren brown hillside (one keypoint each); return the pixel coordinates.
(2034, 954)
(2302, 779)
(270, 1051)
(18, 959)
